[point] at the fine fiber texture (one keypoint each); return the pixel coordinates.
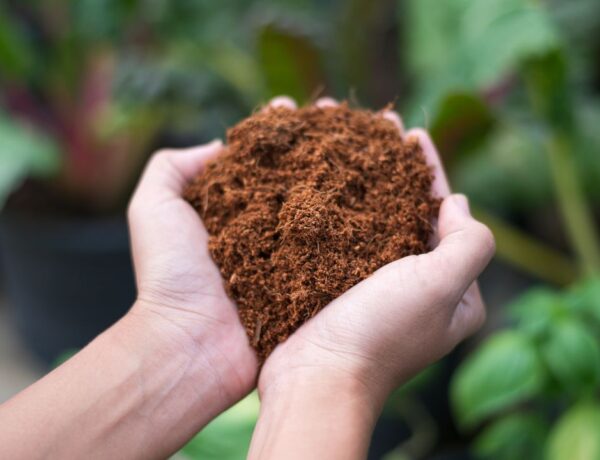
(306, 203)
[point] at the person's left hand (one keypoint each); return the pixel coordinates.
(180, 290)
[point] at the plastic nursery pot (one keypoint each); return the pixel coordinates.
(66, 280)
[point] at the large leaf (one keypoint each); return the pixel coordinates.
(572, 354)
(228, 436)
(576, 435)
(506, 370)
(501, 34)
(585, 299)
(467, 45)
(515, 436)
(538, 310)
(23, 152)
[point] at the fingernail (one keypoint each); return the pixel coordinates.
(462, 202)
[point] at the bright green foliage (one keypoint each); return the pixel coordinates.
(466, 45)
(576, 435)
(572, 354)
(538, 310)
(505, 371)
(516, 436)
(554, 338)
(228, 436)
(585, 299)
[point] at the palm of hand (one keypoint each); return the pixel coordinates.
(405, 316)
(176, 276)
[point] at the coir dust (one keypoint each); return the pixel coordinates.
(306, 203)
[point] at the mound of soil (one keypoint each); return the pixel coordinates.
(305, 204)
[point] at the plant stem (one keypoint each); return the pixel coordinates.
(525, 252)
(572, 204)
(547, 79)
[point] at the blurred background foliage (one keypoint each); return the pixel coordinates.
(510, 90)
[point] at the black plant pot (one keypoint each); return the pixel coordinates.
(66, 280)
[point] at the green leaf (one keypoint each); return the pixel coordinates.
(462, 122)
(538, 310)
(576, 435)
(464, 45)
(515, 436)
(23, 152)
(572, 354)
(228, 436)
(498, 175)
(505, 371)
(291, 63)
(585, 298)
(501, 34)
(549, 90)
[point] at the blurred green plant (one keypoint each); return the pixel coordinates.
(228, 436)
(536, 385)
(503, 107)
(104, 81)
(506, 106)
(505, 86)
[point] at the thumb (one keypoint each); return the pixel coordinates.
(466, 245)
(168, 171)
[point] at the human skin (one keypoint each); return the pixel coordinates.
(323, 389)
(180, 356)
(176, 360)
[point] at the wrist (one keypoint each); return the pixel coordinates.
(309, 415)
(222, 347)
(328, 387)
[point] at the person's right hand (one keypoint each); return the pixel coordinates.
(406, 315)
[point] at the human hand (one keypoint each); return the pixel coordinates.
(405, 316)
(180, 290)
(151, 381)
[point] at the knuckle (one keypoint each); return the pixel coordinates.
(485, 237)
(477, 319)
(430, 274)
(161, 157)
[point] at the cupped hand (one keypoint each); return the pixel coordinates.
(405, 316)
(180, 289)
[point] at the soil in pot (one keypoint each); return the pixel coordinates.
(305, 204)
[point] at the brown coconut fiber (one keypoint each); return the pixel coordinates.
(306, 203)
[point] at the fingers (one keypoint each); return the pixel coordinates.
(326, 102)
(168, 172)
(394, 118)
(437, 290)
(465, 248)
(282, 101)
(440, 185)
(289, 103)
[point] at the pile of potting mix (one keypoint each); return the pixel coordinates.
(306, 203)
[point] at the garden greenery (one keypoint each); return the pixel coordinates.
(508, 89)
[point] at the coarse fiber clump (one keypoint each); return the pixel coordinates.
(306, 203)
